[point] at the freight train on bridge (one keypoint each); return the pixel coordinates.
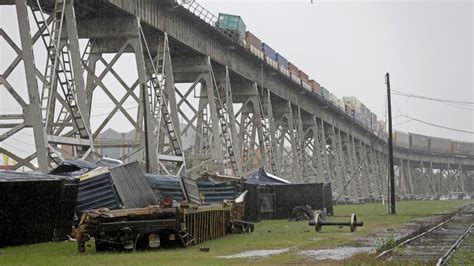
(246, 105)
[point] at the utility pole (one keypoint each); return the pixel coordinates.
(390, 148)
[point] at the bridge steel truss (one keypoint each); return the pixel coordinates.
(248, 114)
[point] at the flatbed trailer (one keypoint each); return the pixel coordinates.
(156, 227)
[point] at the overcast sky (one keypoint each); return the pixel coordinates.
(348, 46)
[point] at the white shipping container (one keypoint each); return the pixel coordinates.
(283, 70)
(401, 139)
(257, 52)
(340, 104)
(295, 78)
(353, 101)
(440, 145)
(419, 142)
(306, 86)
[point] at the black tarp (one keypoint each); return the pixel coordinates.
(276, 201)
(261, 177)
(73, 168)
(35, 207)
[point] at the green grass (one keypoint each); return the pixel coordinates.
(464, 256)
(267, 235)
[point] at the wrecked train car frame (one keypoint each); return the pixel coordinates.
(153, 227)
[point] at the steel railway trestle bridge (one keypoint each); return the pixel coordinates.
(249, 115)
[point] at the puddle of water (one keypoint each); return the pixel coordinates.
(253, 254)
(334, 254)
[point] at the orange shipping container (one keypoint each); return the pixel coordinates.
(253, 40)
(293, 69)
(303, 76)
(315, 87)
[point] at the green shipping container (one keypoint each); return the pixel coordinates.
(231, 22)
(325, 93)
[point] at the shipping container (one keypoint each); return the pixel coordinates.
(282, 60)
(462, 148)
(358, 116)
(257, 52)
(340, 104)
(333, 98)
(440, 145)
(231, 22)
(303, 76)
(253, 40)
(353, 102)
(284, 70)
(306, 85)
(271, 62)
(325, 93)
(295, 78)
(401, 139)
(268, 51)
(419, 142)
(293, 69)
(349, 109)
(315, 87)
(373, 121)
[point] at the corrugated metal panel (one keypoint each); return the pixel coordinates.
(165, 186)
(132, 187)
(97, 192)
(216, 192)
(191, 189)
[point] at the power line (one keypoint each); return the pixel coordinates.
(399, 93)
(435, 125)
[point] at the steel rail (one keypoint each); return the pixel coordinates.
(443, 259)
(386, 252)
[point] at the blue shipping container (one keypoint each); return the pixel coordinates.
(268, 51)
(282, 60)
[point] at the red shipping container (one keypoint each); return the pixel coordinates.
(303, 76)
(251, 39)
(293, 69)
(315, 87)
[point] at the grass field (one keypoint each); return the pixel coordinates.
(268, 235)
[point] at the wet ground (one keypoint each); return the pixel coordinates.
(339, 253)
(256, 254)
(368, 244)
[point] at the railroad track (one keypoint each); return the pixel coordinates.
(438, 243)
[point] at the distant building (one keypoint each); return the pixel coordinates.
(125, 150)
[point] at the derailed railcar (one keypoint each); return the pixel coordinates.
(159, 226)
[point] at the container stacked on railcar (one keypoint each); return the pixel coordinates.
(419, 142)
(440, 145)
(278, 61)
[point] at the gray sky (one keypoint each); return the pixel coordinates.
(348, 46)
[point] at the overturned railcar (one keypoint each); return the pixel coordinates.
(159, 226)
